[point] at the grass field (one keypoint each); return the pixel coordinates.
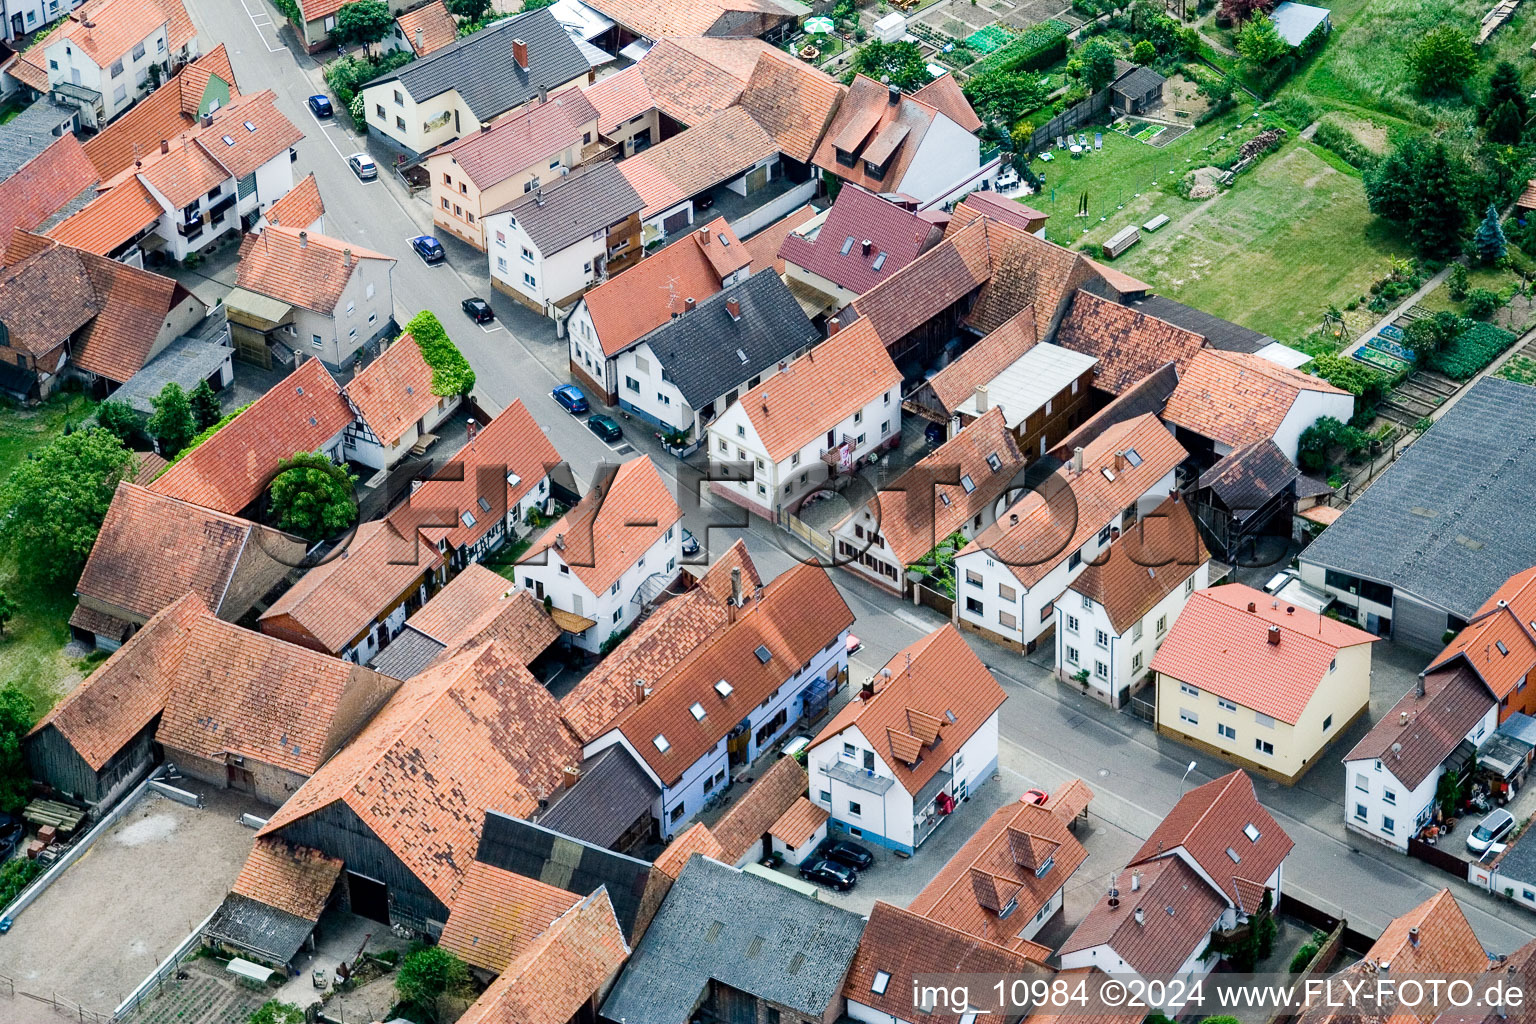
(30, 655)
(1291, 237)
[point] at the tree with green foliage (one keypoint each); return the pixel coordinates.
(469, 10)
(52, 504)
(1456, 283)
(1430, 334)
(274, 1012)
(1261, 45)
(312, 496)
(8, 610)
(363, 21)
(1488, 240)
(1442, 61)
(902, 63)
(1094, 63)
(1504, 87)
(171, 424)
(1005, 97)
(1504, 124)
(536, 5)
(16, 718)
(451, 372)
(1482, 304)
(205, 405)
(1144, 52)
(427, 974)
(1423, 188)
(1020, 136)
(1319, 440)
(120, 420)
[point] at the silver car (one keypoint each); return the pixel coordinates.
(363, 166)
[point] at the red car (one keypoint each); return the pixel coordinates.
(1034, 796)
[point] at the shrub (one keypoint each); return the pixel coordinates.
(1293, 110)
(1337, 139)
(1442, 60)
(1456, 283)
(15, 876)
(312, 496)
(451, 373)
(1319, 440)
(274, 1012)
(119, 419)
(428, 973)
(1041, 46)
(1303, 957)
(1482, 303)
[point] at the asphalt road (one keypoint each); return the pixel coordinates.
(1049, 732)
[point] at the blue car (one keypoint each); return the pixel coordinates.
(320, 105)
(570, 396)
(429, 249)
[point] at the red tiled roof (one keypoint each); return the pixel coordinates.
(28, 72)
(764, 246)
(1145, 565)
(1006, 852)
(109, 220)
(1211, 819)
(229, 470)
(1025, 271)
(612, 527)
(310, 271)
(479, 605)
(1002, 209)
(936, 280)
(1220, 646)
(394, 391)
(1419, 733)
(765, 802)
(693, 77)
(929, 502)
(632, 304)
(185, 174)
(1443, 944)
(1178, 911)
(147, 467)
(937, 688)
(819, 390)
(619, 98)
(1503, 623)
(152, 549)
(432, 23)
(1128, 344)
(716, 149)
(101, 715)
(1033, 536)
(44, 184)
(793, 101)
(796, 616)
(45, 299)
(472, 734)
(107, 29)
(1237, 398)
(798, 825)
(697, 839)
(983, 361)
(135, 308)
(944, 94)
(895, 234)
(522, 141)
(300, 207)
(295, 879)
(565, 969)
(869, 126)
(497, 915)
(163, 114)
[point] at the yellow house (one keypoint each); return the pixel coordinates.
(1259, 682)
(504, 161)
(453, 91)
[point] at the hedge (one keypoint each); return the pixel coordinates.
(15, 876)
(1040, 47)
(451, 373)
(205, 434)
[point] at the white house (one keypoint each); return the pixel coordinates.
(691, 369)
(1008, 579)
(823, 415)
(607, 559)
(730, 701)
(1116, 614)
(917, 740)
(1392, 776)
(548, 247)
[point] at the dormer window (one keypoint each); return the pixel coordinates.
(876, 171)
(1045, 868)
(846, 158)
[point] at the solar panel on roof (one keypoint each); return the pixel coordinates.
(763, 653)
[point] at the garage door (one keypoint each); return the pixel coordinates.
(1417, 625)
(675, 223)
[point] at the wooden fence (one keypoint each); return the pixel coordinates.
(1068, 120)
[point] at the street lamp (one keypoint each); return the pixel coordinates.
(1184, 778)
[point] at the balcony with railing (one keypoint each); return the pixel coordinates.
(834, 456)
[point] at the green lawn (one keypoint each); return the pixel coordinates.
(1290, 238)
(30, 655)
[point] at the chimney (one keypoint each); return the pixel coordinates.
(543, 93)
(983, 401)
(471, 427)
(1077, 460)
(1418, 687)
(733, 307)
(1013, 519)
(703, 234)
(865, 246)
(893, 94)
(206, 120)
(346, 257)
(165, 146)
(559, 542)
(420, 45)
(1252, 607)
(1413, 936)
(303, 239)
(1274, 636)
(571, 774)
(735, 592)
(485, 126)
(538, 197)
(640, 691)
(1119, 461)
(1135, 882)
(833, 326)
(520, 53)
(1141, 916)
(867, 691)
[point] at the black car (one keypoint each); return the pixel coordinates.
(829, 872)
(478, 309)
(844, 852)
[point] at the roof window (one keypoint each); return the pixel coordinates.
(485, 506)
(763, 653)
(879, 262)
(848, 245)
(249, 126)
(994, 463)
(1236, 859)
(882, 979)
(1133, 456)
(467, 519)
(697, 711)
(1251, 832)
(724, 689)
(968, 483)
(228, 141)
(661, 743)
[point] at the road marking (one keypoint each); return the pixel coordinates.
(490, 330)
(325, 134)
(258, 26)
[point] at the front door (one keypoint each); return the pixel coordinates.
(370, 897)
(538, 589)
(240, 779)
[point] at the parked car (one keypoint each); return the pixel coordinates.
(690, 542)
(604, 427)
(1490, 830)
(847, 853)
(12, 830)
(478, 309)
(1038, 797)
(429, 249)
(320, 105)
(935, 433)
(363, 166)
(829, 872)
(570, 396)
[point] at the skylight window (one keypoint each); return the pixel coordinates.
(228, 141)
(485, 506)
(1251, 832)
(879, 262)
(1109, 474)
(661, 743)
(944, 497)
(763, 653)
(1500, 645)
(513, 479)
(994, 463)
(968, 483)
(741, 355)
(848, 245)
(467, 519)
(1236, 859)
(697, 711)
(882, 979)
(950, 716)
(249, 126)
(1133, 456)
(724, 241)
(724, 689)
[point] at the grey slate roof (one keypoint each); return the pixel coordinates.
(575, 206)
(1450, 520)
(29, 133)
(534, 851)
(612, 793)
(407, 654)
(186, 360)
(482, 69)
(1222, 334)
(1138, 81)
(275, 935)
(706, 353)
(1251, 477)
(743, 931)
